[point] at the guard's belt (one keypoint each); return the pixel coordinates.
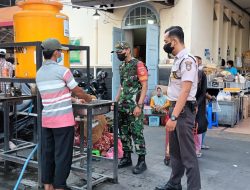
(191, 104)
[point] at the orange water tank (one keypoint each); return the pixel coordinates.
(37, 21)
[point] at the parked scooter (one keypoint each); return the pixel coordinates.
(97, 86)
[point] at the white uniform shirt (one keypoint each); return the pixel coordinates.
(184, 69)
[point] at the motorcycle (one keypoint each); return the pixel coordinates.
(97, 86)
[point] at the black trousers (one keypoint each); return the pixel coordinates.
(182, 151)
(57, 150)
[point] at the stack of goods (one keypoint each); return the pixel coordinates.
(102, 138)
(247, 76)
(210, 69)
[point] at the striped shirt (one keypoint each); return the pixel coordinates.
(54, 83)
(7, 73)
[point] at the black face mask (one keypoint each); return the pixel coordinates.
(167, 48)
(121, 56)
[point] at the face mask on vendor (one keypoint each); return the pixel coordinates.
(59, 56)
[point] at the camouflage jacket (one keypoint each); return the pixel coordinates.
(131, 86)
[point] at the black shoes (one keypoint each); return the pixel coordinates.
(169, 186)
(167, 160)
(140, 166)
(125, 161)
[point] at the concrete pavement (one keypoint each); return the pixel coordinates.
(226, 166)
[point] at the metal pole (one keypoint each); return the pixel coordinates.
(88, 67)
(115, 161)
(6, 112)
(89, 148)
(35, 139)
(39, 115)
(81, 125)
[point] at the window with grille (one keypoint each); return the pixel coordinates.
(140, 16)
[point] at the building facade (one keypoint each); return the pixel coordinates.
(214, 29)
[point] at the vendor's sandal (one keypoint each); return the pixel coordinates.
(167, 160)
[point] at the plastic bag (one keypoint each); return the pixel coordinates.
(228, 96)
(224, 96)
(110, 153)
(221, 95)
(216, 106)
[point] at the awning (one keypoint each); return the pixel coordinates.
(6, 15)
(108, 4)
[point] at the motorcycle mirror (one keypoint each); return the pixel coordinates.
(77, 73)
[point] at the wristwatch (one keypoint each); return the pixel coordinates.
(139, 106)
(173, 118)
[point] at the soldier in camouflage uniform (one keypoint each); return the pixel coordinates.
(131, 94)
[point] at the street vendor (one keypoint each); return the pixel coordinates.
(230, 68)
(159, 102)
(55, 84)
(6, 70)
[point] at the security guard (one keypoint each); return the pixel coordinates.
(130, 96)
(181, 92)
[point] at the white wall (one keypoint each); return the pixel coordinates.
(194, 16)
(84, 26)
(228, 35)
(202, 27)
(96, 34)
(180, 15)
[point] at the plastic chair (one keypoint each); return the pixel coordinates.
(212, 117)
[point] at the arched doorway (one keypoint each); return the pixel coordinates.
(140, 27)
(140, 16)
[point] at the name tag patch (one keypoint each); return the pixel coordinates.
(188, 65)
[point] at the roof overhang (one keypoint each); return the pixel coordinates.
(7, 3)
(243, 5)
(7, 13)
(108, 4)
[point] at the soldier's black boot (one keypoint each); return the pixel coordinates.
(125, 161)
(140, 166)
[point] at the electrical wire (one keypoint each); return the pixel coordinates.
(106, 8)
(105, 14)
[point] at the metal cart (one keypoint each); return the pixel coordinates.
(88, 110)
(92, 108)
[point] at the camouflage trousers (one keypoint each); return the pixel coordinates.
(132, 127)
